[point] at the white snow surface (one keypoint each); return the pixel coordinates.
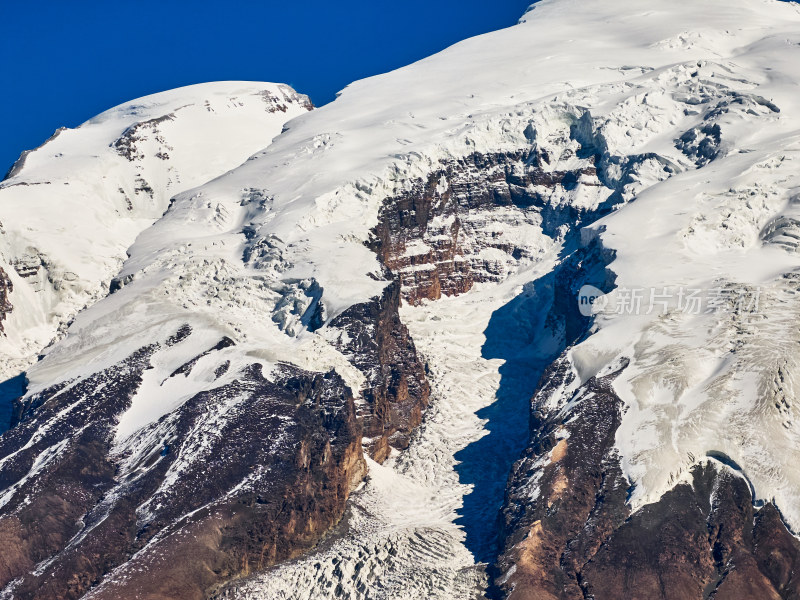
(70, 208)
(632, 78)
(408, 527)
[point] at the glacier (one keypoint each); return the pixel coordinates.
(632, 147)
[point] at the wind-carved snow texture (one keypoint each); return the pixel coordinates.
(644, 147)
(405, 531)
(73, 206)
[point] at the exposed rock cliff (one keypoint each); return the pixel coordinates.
(396, 391)
(456, 227)
(6, 287)
(250, 472)
(569, 531)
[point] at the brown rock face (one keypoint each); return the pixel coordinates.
(397, 391)
(565, 496)
(703, 539)
(238, 477)
(569, 533)
(431, 236)
(6, 287)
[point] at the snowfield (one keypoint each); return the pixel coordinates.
(73, 206)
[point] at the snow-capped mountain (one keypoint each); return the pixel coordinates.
(522, 312)
(73, 206)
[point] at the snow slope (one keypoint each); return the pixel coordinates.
(71, 207)
(645, 76)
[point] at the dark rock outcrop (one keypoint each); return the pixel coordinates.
(238, 477)
(278, 102)
(442, 215)
(397, 391)
(569, 533)
(6, 287)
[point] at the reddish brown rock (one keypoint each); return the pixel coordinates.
(565, 496)
(441, 215)
(6, 287)
(397, 390)
(275, 477)
(569, 533)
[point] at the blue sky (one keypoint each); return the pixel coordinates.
(64, 62)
